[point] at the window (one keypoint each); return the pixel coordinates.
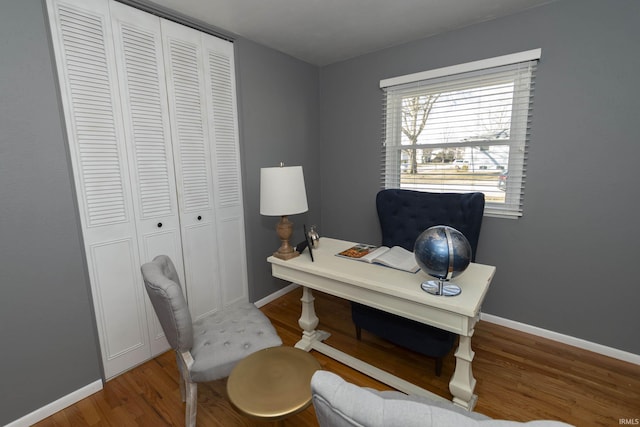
(462, 128)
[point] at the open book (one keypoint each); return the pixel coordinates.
(395, 257)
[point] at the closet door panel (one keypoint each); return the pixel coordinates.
(146, 118)
(197, 257)
(191, 148)
(233, 264)
(83, 49)
(223, 125)
(113, 270)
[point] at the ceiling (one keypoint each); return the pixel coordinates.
(322, 32)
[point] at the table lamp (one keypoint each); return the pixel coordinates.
(282, 193)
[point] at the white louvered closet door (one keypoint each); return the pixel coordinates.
(151, 116)
(223, 128)
(183, 55)
(85, 58)
(148, 134)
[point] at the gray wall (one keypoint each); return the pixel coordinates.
(568, 264)
(278, 114)
(49, 346)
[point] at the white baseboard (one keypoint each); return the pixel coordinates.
(533, 330)
(565, 339)
(274, 296)
(58, 405)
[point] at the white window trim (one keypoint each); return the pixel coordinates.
(482, 64)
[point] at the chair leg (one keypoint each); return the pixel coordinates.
(358, 332)
(192, 404)
(183, 391)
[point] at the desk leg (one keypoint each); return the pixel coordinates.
(462, 382)
(308, 322)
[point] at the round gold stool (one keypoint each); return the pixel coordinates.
(273, 383)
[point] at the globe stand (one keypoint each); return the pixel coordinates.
(438, 287)
(443, 253)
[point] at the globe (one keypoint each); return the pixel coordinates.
(444, 253)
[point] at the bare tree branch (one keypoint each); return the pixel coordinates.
(415, 113)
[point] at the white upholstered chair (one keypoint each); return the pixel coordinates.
(209, 348)
(342, 404)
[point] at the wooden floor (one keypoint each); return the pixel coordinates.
(519, 377)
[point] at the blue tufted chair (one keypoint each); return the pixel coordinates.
(403, 215)
(209, 348)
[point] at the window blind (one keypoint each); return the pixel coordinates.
(465, 128)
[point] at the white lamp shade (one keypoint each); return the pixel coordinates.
(282, 191)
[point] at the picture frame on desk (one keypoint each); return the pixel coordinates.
(306, 243)
(308, 240)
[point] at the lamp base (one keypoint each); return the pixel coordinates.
(285, 230)
(286, 256)
(437, 287)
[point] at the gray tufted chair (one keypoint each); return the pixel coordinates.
(209, 348)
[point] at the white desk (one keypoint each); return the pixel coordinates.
(395, 292)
